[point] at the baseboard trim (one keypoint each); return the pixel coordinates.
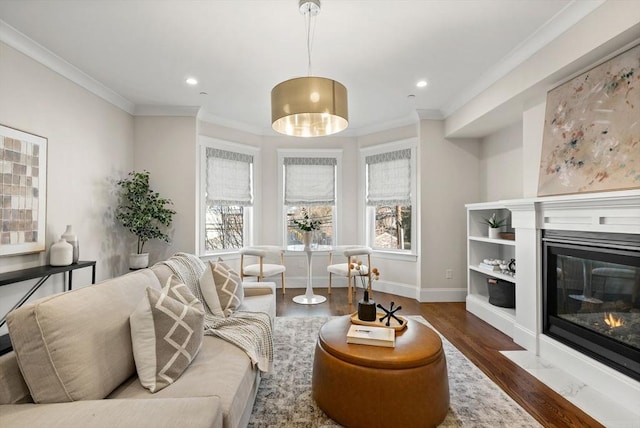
(442, 295)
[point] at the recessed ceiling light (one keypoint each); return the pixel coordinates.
(421, 84)
(191, 81)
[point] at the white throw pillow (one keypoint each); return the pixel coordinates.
(209, 291)
(166, 332)
(228, 285)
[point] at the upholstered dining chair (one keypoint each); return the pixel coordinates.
(352, 253)
(263, 269)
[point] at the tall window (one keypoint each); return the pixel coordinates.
(390, 186)
(227, 181)
(309, 188)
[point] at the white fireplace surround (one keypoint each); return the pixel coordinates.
(595, 212)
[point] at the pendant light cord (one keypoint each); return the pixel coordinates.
(310, 36)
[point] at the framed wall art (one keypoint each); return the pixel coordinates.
(23, 191)
(591, 138)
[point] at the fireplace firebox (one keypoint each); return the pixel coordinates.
(591, 295)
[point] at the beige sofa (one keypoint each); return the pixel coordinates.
(77, 345)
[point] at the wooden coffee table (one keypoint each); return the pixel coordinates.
(368, 386)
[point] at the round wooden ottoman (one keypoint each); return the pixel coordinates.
(372, 386)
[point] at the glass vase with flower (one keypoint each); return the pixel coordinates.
(307, 226)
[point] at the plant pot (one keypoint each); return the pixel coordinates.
(367, 308)
(494, 232)
(138, 261)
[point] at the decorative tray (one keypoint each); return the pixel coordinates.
(394, 324)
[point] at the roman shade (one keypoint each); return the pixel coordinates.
(229, 177)
(389, 178)
(309, 181)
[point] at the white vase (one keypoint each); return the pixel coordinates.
(72, 239)
(138, 261)
(306, 238)
(61, 253)
(494, 232)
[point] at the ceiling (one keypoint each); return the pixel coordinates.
(141, 51)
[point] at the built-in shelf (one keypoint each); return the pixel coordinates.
(480, 247)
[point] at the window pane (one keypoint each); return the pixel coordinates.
(322, 213)
(224, 227)
(393, 227)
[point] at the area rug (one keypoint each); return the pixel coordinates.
(284, 397)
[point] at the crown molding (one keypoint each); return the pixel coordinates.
(554, 27)
(412, 119)
(39, 53)
(156, 110)
(208, 117)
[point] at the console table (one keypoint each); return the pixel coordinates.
(43, 273)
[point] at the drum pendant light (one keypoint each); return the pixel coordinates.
(309, 106)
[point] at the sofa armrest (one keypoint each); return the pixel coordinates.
(259, 288)
(202, 412)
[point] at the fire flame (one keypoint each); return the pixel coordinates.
(612, 321)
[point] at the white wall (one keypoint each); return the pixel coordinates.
(90, 145)
(533, 126)
(167, 148)
(449, 172)
(501, 164)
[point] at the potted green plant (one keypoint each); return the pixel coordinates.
(144, 213)
(495, 224)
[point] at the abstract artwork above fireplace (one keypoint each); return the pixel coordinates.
(591, 139)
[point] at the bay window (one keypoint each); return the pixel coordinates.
(309, 183)
(390, 188)
(227, 174)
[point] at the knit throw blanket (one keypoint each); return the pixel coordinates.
(249, 331)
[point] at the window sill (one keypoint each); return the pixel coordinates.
(394, 255)
(226, 255)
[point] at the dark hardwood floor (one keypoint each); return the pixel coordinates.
(477, 340)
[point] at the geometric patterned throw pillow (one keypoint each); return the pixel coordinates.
(229, 286)
(166, 332)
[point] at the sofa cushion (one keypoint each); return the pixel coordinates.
(191, 412)
(166, 331)
(13, 389)
(229, 286)
(221, 369)
(77, 345)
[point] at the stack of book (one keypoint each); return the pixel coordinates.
(486, 266)
(369, 335)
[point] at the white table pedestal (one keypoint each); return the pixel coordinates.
(308, 298)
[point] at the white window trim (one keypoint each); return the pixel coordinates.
(366, 230)
(205, 142)
(309, 153)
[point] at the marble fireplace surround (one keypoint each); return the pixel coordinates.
(595, 212)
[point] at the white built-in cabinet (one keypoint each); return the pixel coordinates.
(480, 247)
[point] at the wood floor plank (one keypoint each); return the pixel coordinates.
(477, 340)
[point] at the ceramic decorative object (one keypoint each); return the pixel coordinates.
(138, 261)
(367, 308)
(494, 232)
(72, 239)
(306, 239)
(61, 253)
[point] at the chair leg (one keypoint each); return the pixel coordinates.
(349, 292)
(329, 282)
(284, 288)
